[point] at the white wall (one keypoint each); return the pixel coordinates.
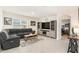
(1, 19)
(47, 18)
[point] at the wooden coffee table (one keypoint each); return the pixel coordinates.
(30, 36)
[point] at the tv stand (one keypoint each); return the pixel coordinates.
(45, 32)
(52, 32)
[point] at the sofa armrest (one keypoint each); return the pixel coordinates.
(11, 39)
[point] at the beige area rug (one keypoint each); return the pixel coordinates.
(29, 41)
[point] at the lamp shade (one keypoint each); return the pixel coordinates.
(76, 31)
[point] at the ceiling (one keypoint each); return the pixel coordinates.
(37, 10)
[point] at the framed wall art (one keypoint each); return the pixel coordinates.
(7, 21)
(33, 23)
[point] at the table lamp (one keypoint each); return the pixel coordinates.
(75, 30)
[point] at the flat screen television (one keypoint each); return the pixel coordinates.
(46, 25)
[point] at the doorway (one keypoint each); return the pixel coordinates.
(65, 28)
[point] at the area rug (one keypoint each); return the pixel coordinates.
(29, 41)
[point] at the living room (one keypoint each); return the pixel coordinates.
(36, 29)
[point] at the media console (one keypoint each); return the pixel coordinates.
(44, 32)
(48, 29)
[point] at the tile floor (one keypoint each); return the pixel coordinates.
(45, 45)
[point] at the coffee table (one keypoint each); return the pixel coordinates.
(30, 37)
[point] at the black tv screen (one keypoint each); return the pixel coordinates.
(46, 25)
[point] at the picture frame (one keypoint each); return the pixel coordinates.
(7, 21)
(33, 23)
